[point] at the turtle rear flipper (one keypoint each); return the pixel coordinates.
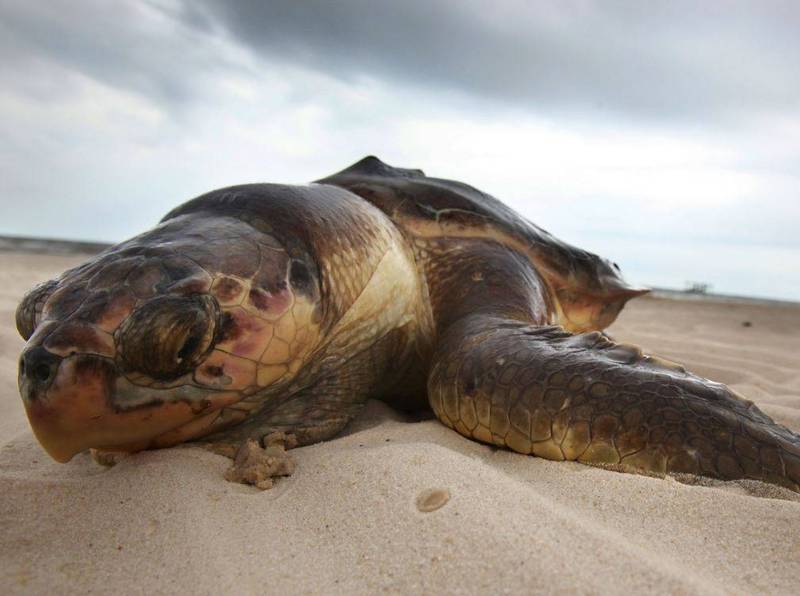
(543, 391)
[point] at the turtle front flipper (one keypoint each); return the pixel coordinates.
(306, 414)
(543, 391)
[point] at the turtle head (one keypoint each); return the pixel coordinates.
(167, 337)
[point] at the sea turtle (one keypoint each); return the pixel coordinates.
(271, 313)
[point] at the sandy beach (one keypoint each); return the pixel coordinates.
(348, 522)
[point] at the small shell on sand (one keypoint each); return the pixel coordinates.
(432, 499)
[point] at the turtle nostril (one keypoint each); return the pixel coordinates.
(41, 373)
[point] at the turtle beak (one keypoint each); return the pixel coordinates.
(69, 402)
(57, 413)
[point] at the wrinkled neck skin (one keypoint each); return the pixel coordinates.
(209, 319)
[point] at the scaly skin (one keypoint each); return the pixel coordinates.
(543, 391)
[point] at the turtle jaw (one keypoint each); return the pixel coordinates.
(76, 410)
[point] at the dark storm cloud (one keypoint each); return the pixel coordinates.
(134, 47)
(649, 58)
(696, 60)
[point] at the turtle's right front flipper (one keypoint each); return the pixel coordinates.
(560, 396)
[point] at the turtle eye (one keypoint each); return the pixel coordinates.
(29, 311)
(168, 336)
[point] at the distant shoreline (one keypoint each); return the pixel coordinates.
(672, 294)
(51, 246)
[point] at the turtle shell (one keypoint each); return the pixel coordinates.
(578, 280)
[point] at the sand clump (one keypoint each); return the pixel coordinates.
(260, 466)
(352, 517)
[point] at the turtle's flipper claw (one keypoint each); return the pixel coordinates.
(546, 392)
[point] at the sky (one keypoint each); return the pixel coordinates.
(662, 135)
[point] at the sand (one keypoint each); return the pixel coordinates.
(349, 519)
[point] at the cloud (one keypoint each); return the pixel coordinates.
(131, 46)
(678, 59)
